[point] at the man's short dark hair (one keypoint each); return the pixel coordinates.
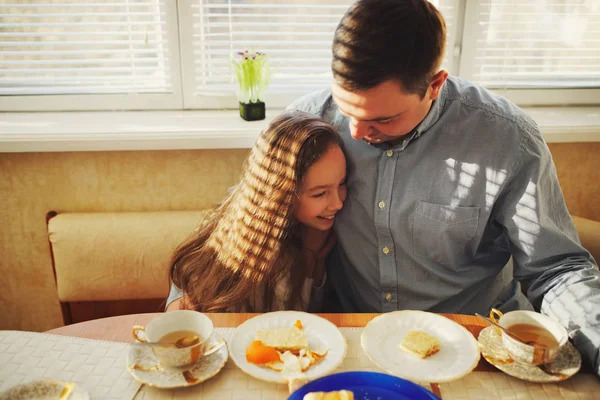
(381, 40)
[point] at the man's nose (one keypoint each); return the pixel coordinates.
(358, 129)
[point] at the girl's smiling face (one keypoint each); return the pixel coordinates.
(323, 190)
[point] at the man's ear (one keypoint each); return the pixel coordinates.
(436, 84)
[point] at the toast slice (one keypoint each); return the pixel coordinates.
(338, 395)
(420, 344)
(283, 339)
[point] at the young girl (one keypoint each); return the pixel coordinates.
(263, 248)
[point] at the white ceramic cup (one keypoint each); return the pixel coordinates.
(174, 357)
(528, 354)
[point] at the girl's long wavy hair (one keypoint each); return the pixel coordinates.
(251, 242)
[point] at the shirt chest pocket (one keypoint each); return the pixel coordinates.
(444, 233)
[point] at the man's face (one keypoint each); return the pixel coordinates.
(384, 112)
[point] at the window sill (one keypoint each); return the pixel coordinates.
(174, 130)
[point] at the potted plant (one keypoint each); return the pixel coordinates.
(253, 72)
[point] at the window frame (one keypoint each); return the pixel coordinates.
(520, 96)
(192, 101)
(460, 54)
(110, 101)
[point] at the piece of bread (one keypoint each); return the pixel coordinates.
(420, 344)
(296, 383)
(338, 395)
(284, 339)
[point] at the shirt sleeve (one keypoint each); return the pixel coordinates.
(561, 277)
(174, 294)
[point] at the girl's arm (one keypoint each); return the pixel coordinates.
(174, 305)
(176, 299)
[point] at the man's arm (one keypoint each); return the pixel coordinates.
(561, 277)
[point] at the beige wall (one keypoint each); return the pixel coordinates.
(578, 170)
(32, 184)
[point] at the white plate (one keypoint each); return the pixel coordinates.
(143, 365)
(458, 355)
(321, 334)
(46, 389)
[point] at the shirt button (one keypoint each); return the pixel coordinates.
(381, 205)
(389, 153)
(385, 250)
(389, 297)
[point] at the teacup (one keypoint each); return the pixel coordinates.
(539, 351)
(169, 355)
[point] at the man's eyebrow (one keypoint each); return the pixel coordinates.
(371, 119)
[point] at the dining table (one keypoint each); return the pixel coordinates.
(485, 381)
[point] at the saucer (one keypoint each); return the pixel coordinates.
(565, 365)
(143, 365)
(46, 389)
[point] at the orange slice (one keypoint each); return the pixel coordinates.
(258, 353)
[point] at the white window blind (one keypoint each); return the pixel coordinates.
(89, 47)
(297, 35)
(533, 44)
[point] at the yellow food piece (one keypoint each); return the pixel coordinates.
(320, 351)
(275, 365)
(298, 324)
(66, 392)
(337, 395)
(420, 344)
(284, 339)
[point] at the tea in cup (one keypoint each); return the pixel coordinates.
(542, 336)
(179, 338)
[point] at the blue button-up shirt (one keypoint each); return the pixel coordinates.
(457, 215)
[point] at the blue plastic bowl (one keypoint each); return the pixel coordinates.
(367, 386)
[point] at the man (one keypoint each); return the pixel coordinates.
(447, 183)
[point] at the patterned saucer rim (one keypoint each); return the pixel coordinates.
(78, 392)
(490, 334)
(224, 350)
